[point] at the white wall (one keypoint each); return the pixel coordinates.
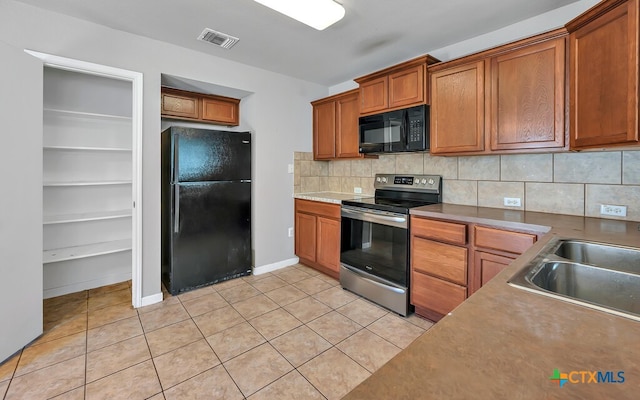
(20, 201)
(278, 112)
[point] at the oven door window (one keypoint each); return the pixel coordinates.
(380, 250)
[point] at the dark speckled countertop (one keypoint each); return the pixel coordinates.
(504, 342)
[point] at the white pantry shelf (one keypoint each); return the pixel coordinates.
(88, 250)
(81, 114)
(86, 183)
(80, 217)
(87, 148)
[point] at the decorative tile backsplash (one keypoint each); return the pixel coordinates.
(562, 183)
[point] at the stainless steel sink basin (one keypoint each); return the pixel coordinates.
(596, 275)
(603, 255)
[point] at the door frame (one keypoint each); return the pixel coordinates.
(136, 79)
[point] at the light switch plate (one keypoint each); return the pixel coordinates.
(290, 168)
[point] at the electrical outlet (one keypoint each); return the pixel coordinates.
(618, 211)
(357, 190)
(290, 168)
(512, 202)
(290, 232)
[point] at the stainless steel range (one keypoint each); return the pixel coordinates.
(374, 245)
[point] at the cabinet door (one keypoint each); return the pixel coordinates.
(347, 133)
(328, 243)
(527, 97)
(604, 79)
(306, 236)
(457, 109)
(486, 266)
(324, 130)
(407, 87)
(222, 111)
(374, 95)
(177, 105)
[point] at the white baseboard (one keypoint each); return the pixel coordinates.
(153, 299)
(80, 286)
(263, 269)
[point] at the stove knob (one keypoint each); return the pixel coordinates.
(384, 179)
(423, 181)
(431, 181)
(416, 182)
(378, 179)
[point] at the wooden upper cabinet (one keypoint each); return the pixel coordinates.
(176, 103)
(603, 56)
(222, 110)
(374, 95)
(191, 106)
(347, 133)
(407, 87)
(335, 127)
(457, 109)
(508, 99)
(399, 86)
(528, 97)
(324, 130)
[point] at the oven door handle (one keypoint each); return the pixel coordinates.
(399, 221)
(373, 282)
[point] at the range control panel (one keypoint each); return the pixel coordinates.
(430, 183)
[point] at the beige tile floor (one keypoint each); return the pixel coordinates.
(289, 334)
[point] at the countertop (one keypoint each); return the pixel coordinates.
(330, 197)
(504, 342)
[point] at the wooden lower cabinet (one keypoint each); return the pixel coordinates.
(306, 236)
(486, 266)
(439, 266)
(317, 235)
(451, 260)
(328, 243)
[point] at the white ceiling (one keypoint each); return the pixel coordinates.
(373, 34)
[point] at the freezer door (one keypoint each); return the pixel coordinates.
(211, 233)
(207, 155)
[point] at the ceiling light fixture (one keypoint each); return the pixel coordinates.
(318, 14)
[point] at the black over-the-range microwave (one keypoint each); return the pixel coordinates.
(395, 131)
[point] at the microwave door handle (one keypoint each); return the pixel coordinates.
(404, 128)
(387, 133)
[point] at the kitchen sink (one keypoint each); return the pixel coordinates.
(603, 255)
(596, 275)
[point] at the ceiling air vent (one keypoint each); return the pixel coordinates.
(218, 38)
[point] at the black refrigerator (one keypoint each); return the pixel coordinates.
(206, 207)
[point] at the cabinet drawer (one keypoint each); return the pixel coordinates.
(439, 259)
(318, 208)
(439, 230)
(512, 242)
(435, 294)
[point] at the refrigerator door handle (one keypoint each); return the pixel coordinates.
(245, 142)
(176, 214)
(176, 172)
